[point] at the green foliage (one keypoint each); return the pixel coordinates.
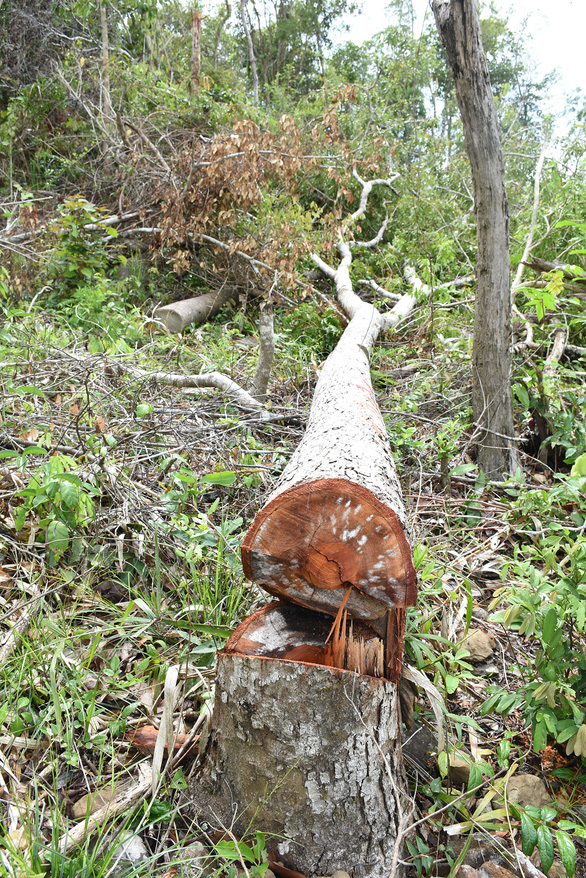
(56, 500)
(78, 253)
(537, 832)
(546, 600)
(308, 328)
(422, 856)
(235, 853)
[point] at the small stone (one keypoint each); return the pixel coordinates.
(459, 773)
(190, 861)
(527, 789)
(270, 874)
(91, 803)
(492, 870)
(130, 848)
(339, 873)
(467, 872)
(479, 644)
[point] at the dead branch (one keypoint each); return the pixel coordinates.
(569, 272)
(120, 802)
(148, 142)
(367, 187)
(555, 355)
(216, 380)
(266, 353)
(536, 186)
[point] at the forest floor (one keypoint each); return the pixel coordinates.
(122, 506)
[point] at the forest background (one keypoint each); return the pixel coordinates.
(153, 153)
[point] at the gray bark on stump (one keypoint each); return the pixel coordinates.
(459, 28)
(308, 754)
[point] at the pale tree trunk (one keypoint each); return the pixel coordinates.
(266, 351)
(191, 312)
(196, 20)
(108, 115)
(459, 28)
(219, 28)
(251, 54)
(336, 518)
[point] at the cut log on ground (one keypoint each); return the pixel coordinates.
(334, 529)
(192, 312)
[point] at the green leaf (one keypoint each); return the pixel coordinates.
(522, 395)
(34, 391)
(227, 850)
(462, 469)
(69, 494)
(143, 409)
(528, 835)
(579, 467)
(548, 813)
(34, 449)
(475, 777)
(549, 624)
(503, 753)
(452, 683)
(226, 477)
(57, 537)
(567, 850)
(545, 847)
(539, 735)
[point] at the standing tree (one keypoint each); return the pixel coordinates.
(459, 28)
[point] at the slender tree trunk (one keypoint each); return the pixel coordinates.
(459, 28)
(266, 351)
(196, 20)
(108, 115)
(219, 28)
(251, 54)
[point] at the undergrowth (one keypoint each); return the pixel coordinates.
(123, 504)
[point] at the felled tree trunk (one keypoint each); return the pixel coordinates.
(305, 732)
(333, 530)
(192, 312)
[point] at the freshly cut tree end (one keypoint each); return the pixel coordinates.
(312, 542)
(286, 632)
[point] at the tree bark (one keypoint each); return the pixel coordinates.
(321, 772)
(191, 312)
(251, 53)
(459, 28)
(266, 351)
(105, 91)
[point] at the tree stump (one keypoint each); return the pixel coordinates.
(307, 754)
